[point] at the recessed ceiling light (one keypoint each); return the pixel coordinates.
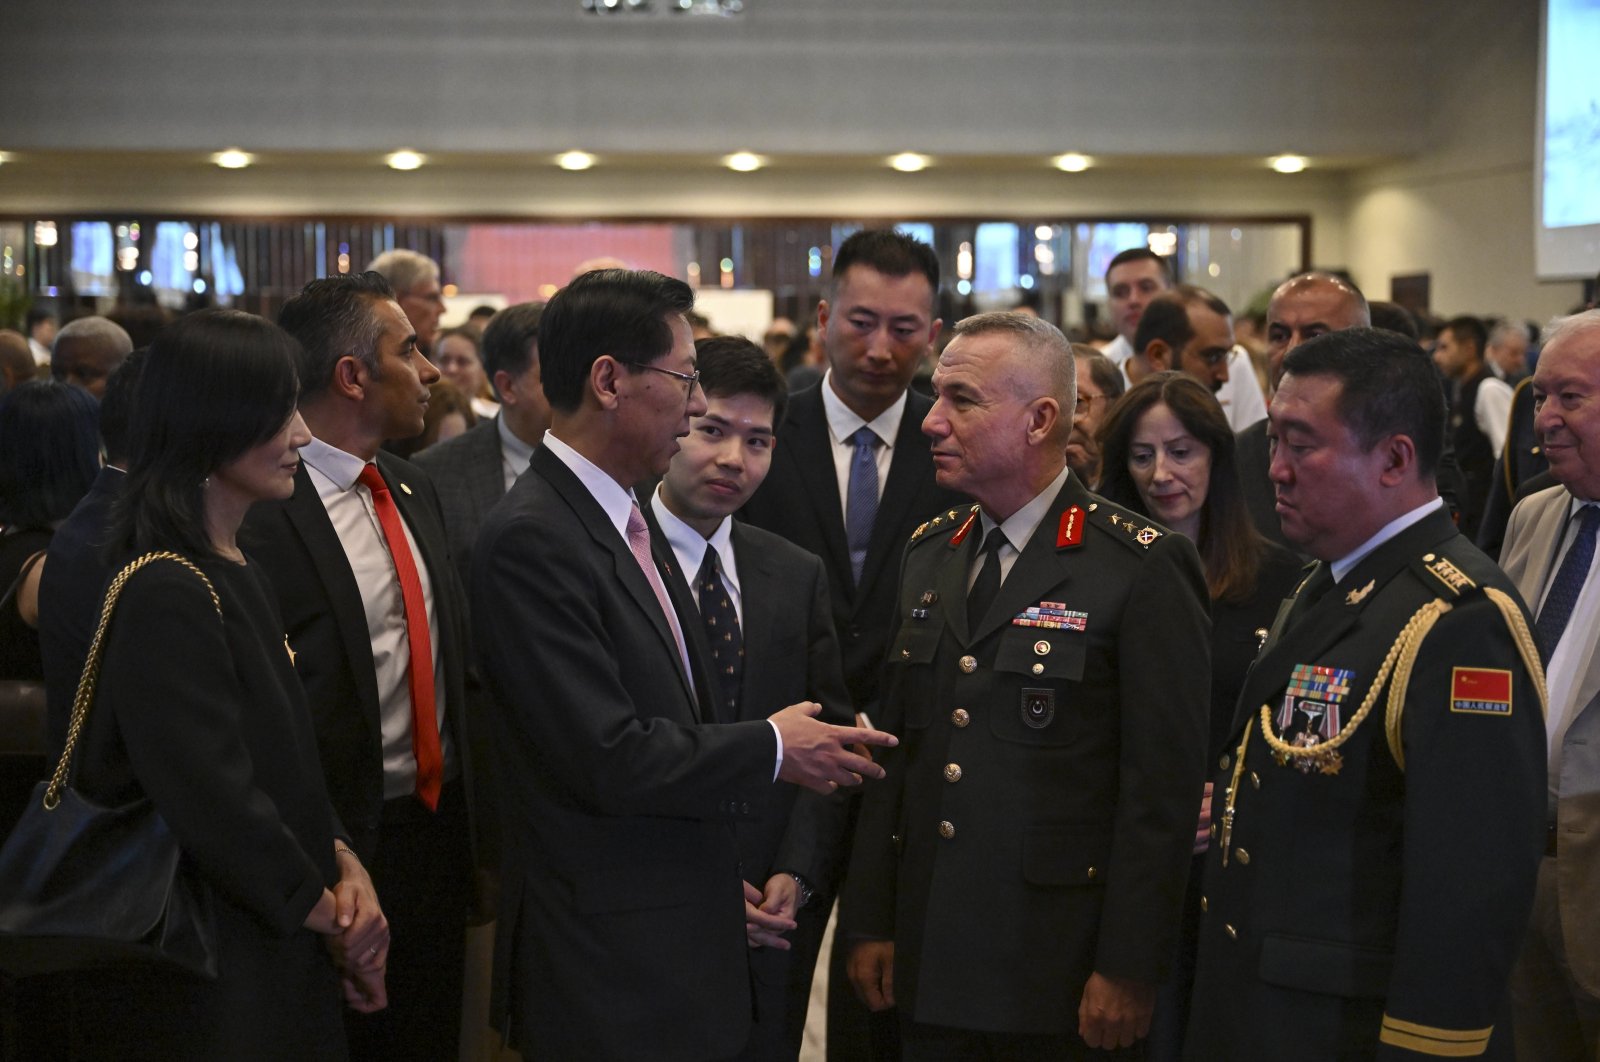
(405, 159)
(744, 161)
(1289, 163)
(1072, 162)
(233, 159)
(575, 160)
(909, 162)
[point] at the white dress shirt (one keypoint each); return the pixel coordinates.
(1241, 397)
(1570, 661)
(843, 423)
(1492, 411)
(1119, 350)
(1018, 528)
(350, 509)
(690, 548)
(1343, 565)
(514, 453)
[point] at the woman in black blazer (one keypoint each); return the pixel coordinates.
(1167, 452)
(205, 716)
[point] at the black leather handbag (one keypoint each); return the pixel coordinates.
(85, 886)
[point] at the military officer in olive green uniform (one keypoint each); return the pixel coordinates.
(1019, 872)
(1381, 817)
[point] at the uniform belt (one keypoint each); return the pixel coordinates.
(1550, 839)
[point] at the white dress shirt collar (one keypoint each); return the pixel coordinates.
(607, 492)
(843, 422)
(1343, 565)
(689, 546)
(513, 451)
(341, 468)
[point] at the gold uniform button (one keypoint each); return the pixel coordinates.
(1225, 761)
(1042, 648)
(1038, 669)
(1204, 905)
(947, 830)
(968, 664)
(952, 772)
(1242, 856)
(1092, 873)
(1255, 779)
(1233, 934)
(960, 718)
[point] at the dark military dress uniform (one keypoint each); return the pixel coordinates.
(1036, 822)
(1371, 877)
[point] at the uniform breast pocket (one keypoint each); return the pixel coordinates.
(1040, 671)
(909, 674)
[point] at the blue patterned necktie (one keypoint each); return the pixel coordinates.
(722, 630)
(1568, 583)
(861, 498)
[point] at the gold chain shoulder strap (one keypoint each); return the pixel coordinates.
(1527, 648)
(91, 665)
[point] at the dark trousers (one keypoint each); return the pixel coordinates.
(420, 862)
(939, 1043)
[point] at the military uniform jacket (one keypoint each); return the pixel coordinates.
(1365, 909)
(1036, 822)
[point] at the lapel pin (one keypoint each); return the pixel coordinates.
(406, 487)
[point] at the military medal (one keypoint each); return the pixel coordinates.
(1052, 614)
(1311, 714)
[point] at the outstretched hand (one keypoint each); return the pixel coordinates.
(817, 754)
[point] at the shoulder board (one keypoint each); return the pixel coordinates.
(944, 523)
(1443, 576)
(1138, 531)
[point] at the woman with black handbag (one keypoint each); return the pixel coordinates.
(197, 708)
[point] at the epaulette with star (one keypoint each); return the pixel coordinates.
(1137, 531)
(951, 520)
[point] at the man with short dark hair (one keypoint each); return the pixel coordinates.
(622, 930)
(1017, 879)
(764, 604)
(375, 621)
(474, 470)
(42, 326)
(1187, 329)
(415, 280)
(87, 351)
(853, 479)
(1351, 909)
(1549, 551)
(1480, 407)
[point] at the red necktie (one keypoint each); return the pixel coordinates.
(419, 676)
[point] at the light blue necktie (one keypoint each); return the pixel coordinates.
(861, 498)
(1568, 583)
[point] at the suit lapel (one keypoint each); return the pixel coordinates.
(899, 492)
(805, 438)
(1546, 535)
(309, 518)
(604, 534)
(761, 590)
(488, 481)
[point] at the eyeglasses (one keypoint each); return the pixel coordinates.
(1086, 402)
(690, 378)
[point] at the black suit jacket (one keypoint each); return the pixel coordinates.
(466, 471)
(1037, 820)
(295, 544)
(800, 502)
(74, 579)
(621, 930)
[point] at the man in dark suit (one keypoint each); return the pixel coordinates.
(622, 925)
(474, 470)
(1351, 909)
(1017, 880)
(1303, 307)
(374, 617)
(853, 479)
(764, 604)
(76, 570)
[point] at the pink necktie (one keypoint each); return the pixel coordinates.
(639, 544)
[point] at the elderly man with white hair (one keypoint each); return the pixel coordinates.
(415, 280)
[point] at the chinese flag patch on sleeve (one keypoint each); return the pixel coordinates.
(1480, 691)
